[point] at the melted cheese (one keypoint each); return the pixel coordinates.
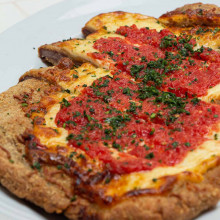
(193, 162)
(213, 94)
(60, 139)
(86, 73)
(111, 21)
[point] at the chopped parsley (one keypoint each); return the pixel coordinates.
(37, 166)
(65, 103)
(150, 156)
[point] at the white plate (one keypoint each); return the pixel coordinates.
(64, 20)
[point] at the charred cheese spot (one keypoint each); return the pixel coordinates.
(213, 94)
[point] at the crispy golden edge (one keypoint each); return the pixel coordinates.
(185, 200)
(192, 14)
(207, 39)
(175, 21)
(51, 75)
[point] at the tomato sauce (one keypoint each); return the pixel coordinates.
(148, 114)
(150, 55)
(145, 126)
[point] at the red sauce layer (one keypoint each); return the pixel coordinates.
(148, 114)
(151, 55)
(145, 126)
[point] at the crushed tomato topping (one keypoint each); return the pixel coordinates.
(148, 114)
(162, 59)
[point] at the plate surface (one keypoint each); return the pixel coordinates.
(19, 53)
